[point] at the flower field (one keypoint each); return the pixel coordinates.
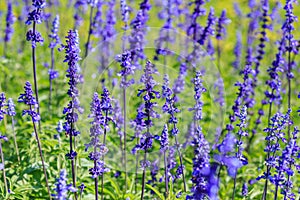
(149, 99)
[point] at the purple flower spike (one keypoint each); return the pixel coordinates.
(2, 106)
(10, 20)
(62, 188)
(199, 90)
(201, 166)
(209, 29)
(144, 117)
(222, 22)
(11, 108)
(29, 99)
(54, 33)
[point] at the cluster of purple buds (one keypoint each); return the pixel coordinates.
(199, 90)
(35, 17)
(62, 188)
(11, 111)
(28, 98)
(128, 69)
(3, 111)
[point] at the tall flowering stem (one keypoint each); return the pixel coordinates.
(106, 108)
(273, 92)
(125, 64)
(290, 47)
(10, 19)
(55, 40)
(164, 146)
(201, 166)
(35, 17)
(71, 111)
(149, 94)
(99, 112)
(170, 108)
(284, 167)
(239, 143)
(275, 134)
(11, 112)
(3, 112)
(28, 99)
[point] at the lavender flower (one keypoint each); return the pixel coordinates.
(209, 29)
(219, 86)
(11, 108)
(127, 69)
(239, 143)
(54, 33)
(164, 139)
(285, 165)
(263, 39)
(2, 106)
(28, 99)
(200, 165)
(62, 188)
(97, 24)
(199, 90)
(179, 83)
(194, 27)
(125, 11)
(100, 111)
(275, 135)
(108, 29)
(97, 130)
(241, 133)
(149, 94)
(73, 73)
(10, 20)
(137, 38)
(35, 17)
(238, 51)
(222, 21)
(169, 106)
